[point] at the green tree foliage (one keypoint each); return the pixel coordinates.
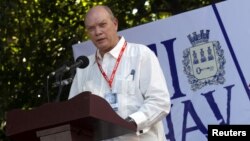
(36, 37)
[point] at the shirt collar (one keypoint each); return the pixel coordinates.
(116, 50)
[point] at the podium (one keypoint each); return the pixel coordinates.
(85, 117)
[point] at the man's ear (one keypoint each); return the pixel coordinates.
(115, 21)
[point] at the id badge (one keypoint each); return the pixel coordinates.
(112, 99)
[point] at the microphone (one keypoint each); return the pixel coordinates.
(60, 70)
(81, 62)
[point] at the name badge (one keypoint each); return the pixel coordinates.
(112, 99)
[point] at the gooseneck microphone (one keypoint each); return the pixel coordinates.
(60, 70)
(81, 62)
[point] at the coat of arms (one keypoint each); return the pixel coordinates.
(204, 61)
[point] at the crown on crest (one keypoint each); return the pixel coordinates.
(199, 38)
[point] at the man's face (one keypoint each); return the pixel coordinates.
(102, 29)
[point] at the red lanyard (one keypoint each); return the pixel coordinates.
(110, 81)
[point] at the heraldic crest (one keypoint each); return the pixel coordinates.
(204, 61)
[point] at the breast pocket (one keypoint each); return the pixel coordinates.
(127, 99)
(130, 87)
(125, 86)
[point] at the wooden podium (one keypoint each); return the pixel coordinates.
(85, 117)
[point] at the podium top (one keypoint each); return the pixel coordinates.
(84, 111)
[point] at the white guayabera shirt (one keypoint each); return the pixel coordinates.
(139, 84)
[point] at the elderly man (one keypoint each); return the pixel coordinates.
(127, 75)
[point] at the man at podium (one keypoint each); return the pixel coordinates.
(127, 75)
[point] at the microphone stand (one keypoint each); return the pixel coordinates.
(58, 78)
(59, 88)
(47, 88)
(81, 62)
(60, 83)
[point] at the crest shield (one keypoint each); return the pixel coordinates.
(204, 61)
(204, 64)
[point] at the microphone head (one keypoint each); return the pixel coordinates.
(83, 60)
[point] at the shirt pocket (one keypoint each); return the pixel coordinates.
(131, 87)
(125, 86)
(127, 99)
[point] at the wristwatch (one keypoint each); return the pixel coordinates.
(131, 120)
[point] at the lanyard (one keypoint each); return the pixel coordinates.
(110, 81)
